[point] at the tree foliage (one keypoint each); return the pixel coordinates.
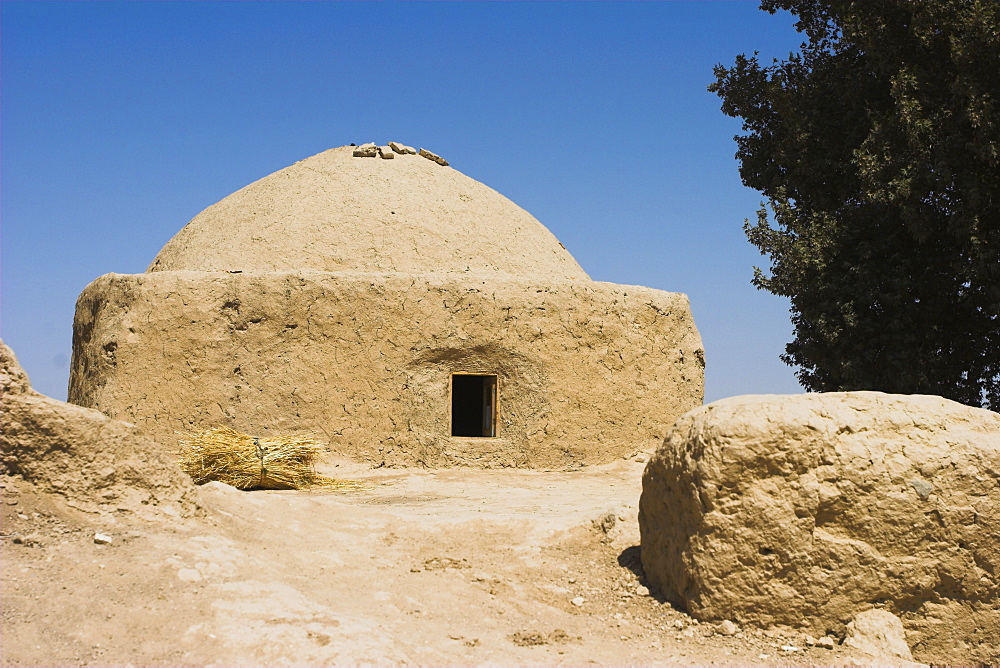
(877, 147)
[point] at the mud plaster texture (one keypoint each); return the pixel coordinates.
(93, 463)
(338, 296)
(587, 372)
(806, 510)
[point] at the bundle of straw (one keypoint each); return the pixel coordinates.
(246, 462)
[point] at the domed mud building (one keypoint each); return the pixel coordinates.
(396, 307)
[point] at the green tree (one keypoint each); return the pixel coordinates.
(877, 147)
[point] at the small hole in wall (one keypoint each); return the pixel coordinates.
(765, 551)
(473, 405)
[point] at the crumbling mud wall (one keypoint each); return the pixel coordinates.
(93, 463)
(805, 510)
(587, 372)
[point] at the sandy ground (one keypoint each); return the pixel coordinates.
(419, 567)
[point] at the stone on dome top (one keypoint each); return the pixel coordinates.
(335, 213)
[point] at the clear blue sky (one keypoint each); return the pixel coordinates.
(120, 121)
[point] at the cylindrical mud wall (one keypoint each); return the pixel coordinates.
(588, 372)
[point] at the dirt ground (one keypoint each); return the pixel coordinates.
(418, 567)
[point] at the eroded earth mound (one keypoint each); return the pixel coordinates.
(94, 462)
(806, 510)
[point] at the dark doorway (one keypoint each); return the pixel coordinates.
(473, 405)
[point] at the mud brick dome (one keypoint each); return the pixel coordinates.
(396, 308)
(337, 213)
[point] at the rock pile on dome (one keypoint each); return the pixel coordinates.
(389, 151)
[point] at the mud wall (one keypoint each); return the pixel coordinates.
(587, 372)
